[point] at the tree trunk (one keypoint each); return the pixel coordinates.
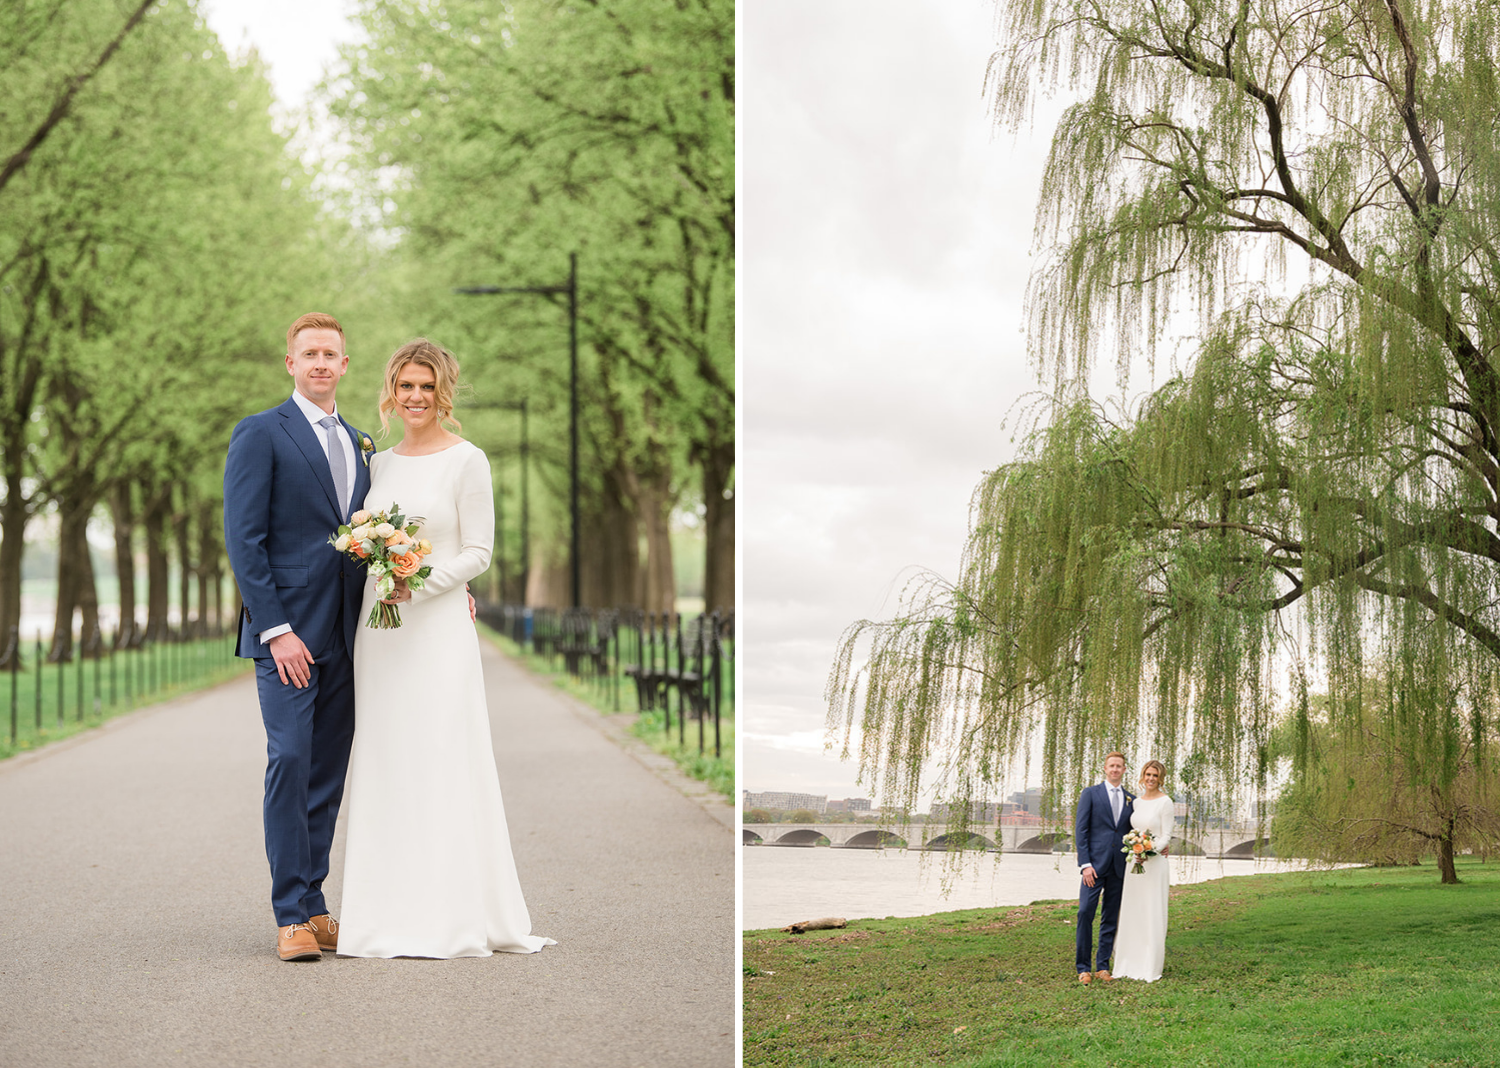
(181, 534)
(208, 555)
(718, 522)
(611, 548)
(1448, 873)
(61, 649)
(87, 590)
(154, 520)
(654, 499)
(121, 513)
(15, 513)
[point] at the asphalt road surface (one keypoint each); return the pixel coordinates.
(137, 924)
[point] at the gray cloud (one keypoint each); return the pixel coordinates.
(882, 273)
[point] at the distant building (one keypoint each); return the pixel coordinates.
(852, 804)
(784, 802)
(1028, 800)
(987, 812)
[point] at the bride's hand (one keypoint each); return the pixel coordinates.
(402, 592)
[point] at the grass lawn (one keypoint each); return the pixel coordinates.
(717, 771)
(1349, 967)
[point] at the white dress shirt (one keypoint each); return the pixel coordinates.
(315, 415)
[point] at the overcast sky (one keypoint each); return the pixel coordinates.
(296, 38)
(883, 260)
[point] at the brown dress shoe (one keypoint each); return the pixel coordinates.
(1104, 975)
(326, 930)
(296, 942)
(1084, 977)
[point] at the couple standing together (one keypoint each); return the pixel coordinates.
(1135, 904)
(428, 870)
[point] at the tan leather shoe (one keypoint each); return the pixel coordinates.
(326, 930)
(1084, 977)
(1104, 976)
(296, 942)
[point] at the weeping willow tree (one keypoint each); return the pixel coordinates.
(1313, 187)
(1328, 810)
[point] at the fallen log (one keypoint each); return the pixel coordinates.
(828, 923)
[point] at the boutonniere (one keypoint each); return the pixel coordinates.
(366, 448)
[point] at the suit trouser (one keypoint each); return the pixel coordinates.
(1111, 886)
(308, 734)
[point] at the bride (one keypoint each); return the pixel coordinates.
(1140, 946)
(428, 870)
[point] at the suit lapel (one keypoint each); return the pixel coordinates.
(302, 435)
(361, 469)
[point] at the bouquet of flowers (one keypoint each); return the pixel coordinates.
(388, 542)
(1138, 846)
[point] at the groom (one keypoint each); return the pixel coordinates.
(291, 477)
(1103, 818)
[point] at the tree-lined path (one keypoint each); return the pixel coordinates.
(137, 928)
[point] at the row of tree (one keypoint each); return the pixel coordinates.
(1314, 502)
(490, 139)
(157, 232)
(150, 228)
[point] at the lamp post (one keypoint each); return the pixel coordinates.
(570, 289)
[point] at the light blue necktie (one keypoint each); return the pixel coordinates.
(336, 463)
(1116, 803)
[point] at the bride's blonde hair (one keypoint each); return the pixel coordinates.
(444, 370)
(1161, 771)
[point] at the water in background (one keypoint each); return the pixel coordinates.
(782, 885)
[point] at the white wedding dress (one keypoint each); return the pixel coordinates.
(1141, 944)
(428, 870)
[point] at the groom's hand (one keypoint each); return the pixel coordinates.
(1088, 875)
(293, 661)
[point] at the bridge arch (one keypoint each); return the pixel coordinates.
(749, 837)
(958, 841)
(876, 840)
(1248, 849)
(803, 836)
(1049, 842)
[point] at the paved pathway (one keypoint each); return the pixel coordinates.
(137, 929)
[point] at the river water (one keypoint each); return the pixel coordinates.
(782, 885)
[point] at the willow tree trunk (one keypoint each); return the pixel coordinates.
(121, 512)
(1446, 869)
(158, 595)
(718, 524)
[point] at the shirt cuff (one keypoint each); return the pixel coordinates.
(266, 635)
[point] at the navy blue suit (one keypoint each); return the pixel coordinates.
(1100, 841)
(280, 507)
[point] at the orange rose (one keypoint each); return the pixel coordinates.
(399, 538)
(406, 565)
(358, 549)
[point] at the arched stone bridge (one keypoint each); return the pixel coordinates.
(1227, 842)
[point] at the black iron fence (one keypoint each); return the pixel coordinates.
(46, 699)
(682, 666)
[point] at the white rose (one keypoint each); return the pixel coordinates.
(385, 530)
(361, 516)
(342, 543)
(360, 533)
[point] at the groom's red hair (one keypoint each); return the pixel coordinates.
(311, 321)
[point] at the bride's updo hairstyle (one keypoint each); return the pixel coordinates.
(1161, 771)
(444, 370)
